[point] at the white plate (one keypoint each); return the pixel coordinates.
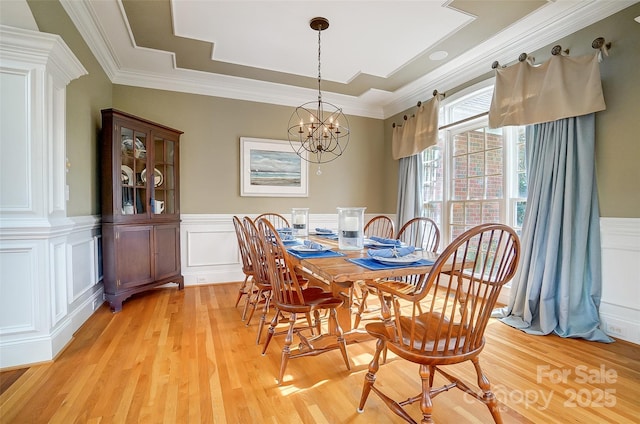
(408, 259)
(327, 232)
(304, 248)
(157, 177)
(127, 175)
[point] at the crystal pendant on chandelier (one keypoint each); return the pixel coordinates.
(318, 131)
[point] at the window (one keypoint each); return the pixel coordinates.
(474, 174)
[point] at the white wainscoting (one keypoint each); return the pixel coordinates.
(48, 288)
(210, 249)
(620, 304)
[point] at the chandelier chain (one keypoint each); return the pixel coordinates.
(319, 74)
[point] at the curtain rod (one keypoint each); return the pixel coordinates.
(461, 121)
(435, 93)
(597, 44)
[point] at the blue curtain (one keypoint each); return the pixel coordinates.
(558, 285)
(409, 188)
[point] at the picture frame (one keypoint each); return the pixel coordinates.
(271, 168)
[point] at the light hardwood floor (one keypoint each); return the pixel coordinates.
(185, 357)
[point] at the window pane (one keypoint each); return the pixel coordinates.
(433, 210)
(460, 167)
(433, 180)
(459, 190)
(494, 187)
(494, 138)
(476, 164)
(456, 230)
(522, 165)
(476, 140)
(491, 212)
(459, 144)
(476, 188)
(457, 213)
(471, 105)
(473, 214)
(520, 208)
(494, 162)
(522, 185)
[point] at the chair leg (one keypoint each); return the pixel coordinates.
(247, 300)
(317, 324)
(255, 306)
(271, 331)
(432, 373)
(426, 406)
(361, 306)
(263, 318)
(342, 344)
(241, 291)
(370, 377)
(311, 324)
(488, 397)
(286, 349)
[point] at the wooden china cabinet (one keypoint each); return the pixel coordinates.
(140, 206)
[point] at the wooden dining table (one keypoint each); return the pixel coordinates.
(340, 274)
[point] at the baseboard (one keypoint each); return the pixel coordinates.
(620, 322)
(27, 351)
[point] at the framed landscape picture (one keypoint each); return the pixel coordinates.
(271, 168)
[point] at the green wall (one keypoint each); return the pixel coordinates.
(210, 153)
(365, 175)
(617, 139)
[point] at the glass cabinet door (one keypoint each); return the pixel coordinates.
(134, 161)
(164, 190)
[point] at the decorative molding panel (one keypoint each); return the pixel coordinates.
(81, 267)
(19, 300)
(15, 163)
(58, 277)
(620, 303)
(211, 248)
(42, 305)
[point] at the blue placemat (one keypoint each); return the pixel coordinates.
(314, 255)
(374, 265)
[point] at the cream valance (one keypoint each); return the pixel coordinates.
(560, 88)
(418, 132)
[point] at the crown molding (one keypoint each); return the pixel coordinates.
(225, 86)
(556, 20)
(40, 48)
(85, 19)
(551, 24)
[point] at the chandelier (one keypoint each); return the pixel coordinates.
(318, 131)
